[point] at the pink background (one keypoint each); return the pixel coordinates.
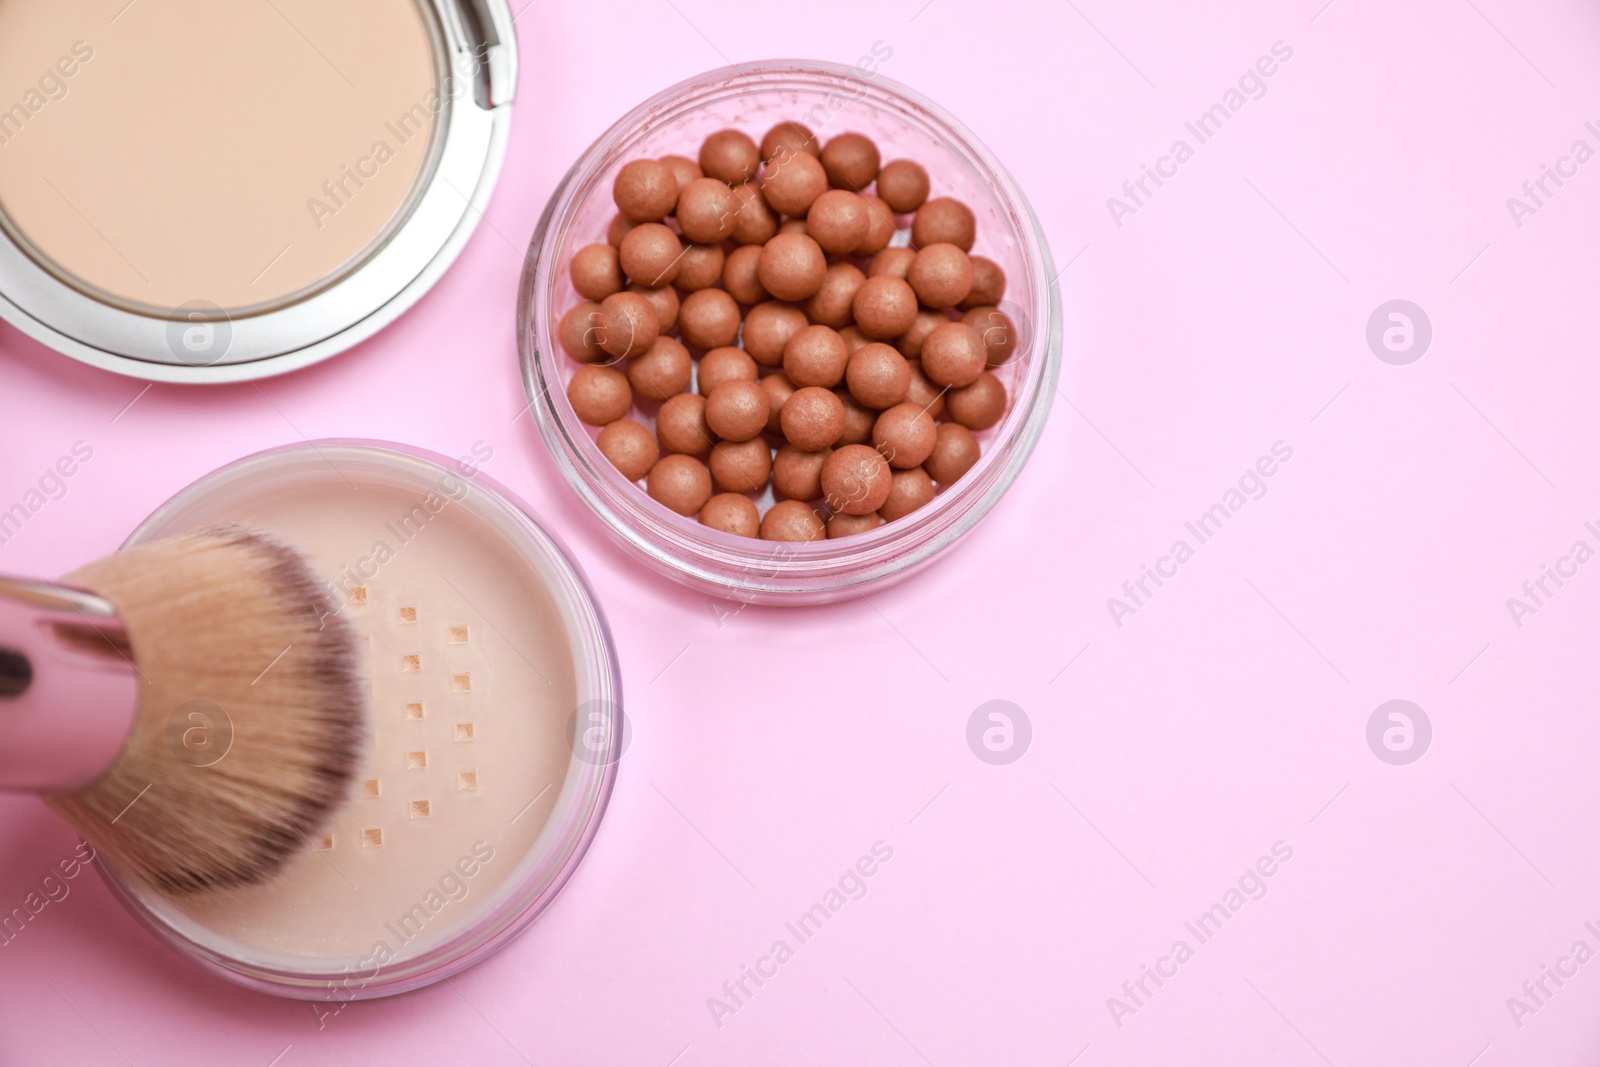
(773, 749)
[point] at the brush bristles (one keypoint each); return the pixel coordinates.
(230, 617)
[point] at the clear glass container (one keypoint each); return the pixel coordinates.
(830, 99)
(486, 920)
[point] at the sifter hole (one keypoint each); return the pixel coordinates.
(420, 809)
(461, 683)
(416, 761)
(466, 781)
(408, 614)
(371, 838)
(410, 663)
(370, 788)
(458, 635)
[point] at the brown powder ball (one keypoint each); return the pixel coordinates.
(904, 185)
(792, 266)
(650, 254)
(596, 272)
(599, 395)
(581, 330)
(855, 480)
(885, 307)
(954, 355)
(737, 411)
(681, 425)
(988, 284)
(954, 453)
(854, 339)
(895, 261)
(880, 228)
(944, 220)
(941, 275)
(851, 160)
(681, 483)
(834, 304)
(980, 405)
(908, 491)
(709, 319)
(997, 330)
(620, 225)
(662, 372)
(838, 221)
(878, 376)
(910, 342)
(870, 359)
(842, 525)
(792, 182)
(741, 466)
(858, 419)
(630, 447)
(732, 513)
(741, 275)
(706, 210)
(812, 418)
(725, 364)
(923, 392)
(665, 301)
(792, 520)
(730, 156)
(905, 434)
(797, 474)
(684, 169)
(779, 389)
(628, 325)
(815, 356)
(646, 190)
(699, 268)
(768, 328)
(789, 137)
(753, 223)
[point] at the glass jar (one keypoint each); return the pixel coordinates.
(274, 949)
(831, 99)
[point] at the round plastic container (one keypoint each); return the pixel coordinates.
(454, 742)
(831, 100)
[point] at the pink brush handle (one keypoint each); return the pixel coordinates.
(68, 687)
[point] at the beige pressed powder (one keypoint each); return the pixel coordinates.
(164, 153)
(193, 191)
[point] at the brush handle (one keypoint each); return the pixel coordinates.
(68, 686)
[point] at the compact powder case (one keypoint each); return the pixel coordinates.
(202, 192)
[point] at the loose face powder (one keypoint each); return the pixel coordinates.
(166, 153)
(470, 793)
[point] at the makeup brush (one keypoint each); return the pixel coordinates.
(184, 704)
